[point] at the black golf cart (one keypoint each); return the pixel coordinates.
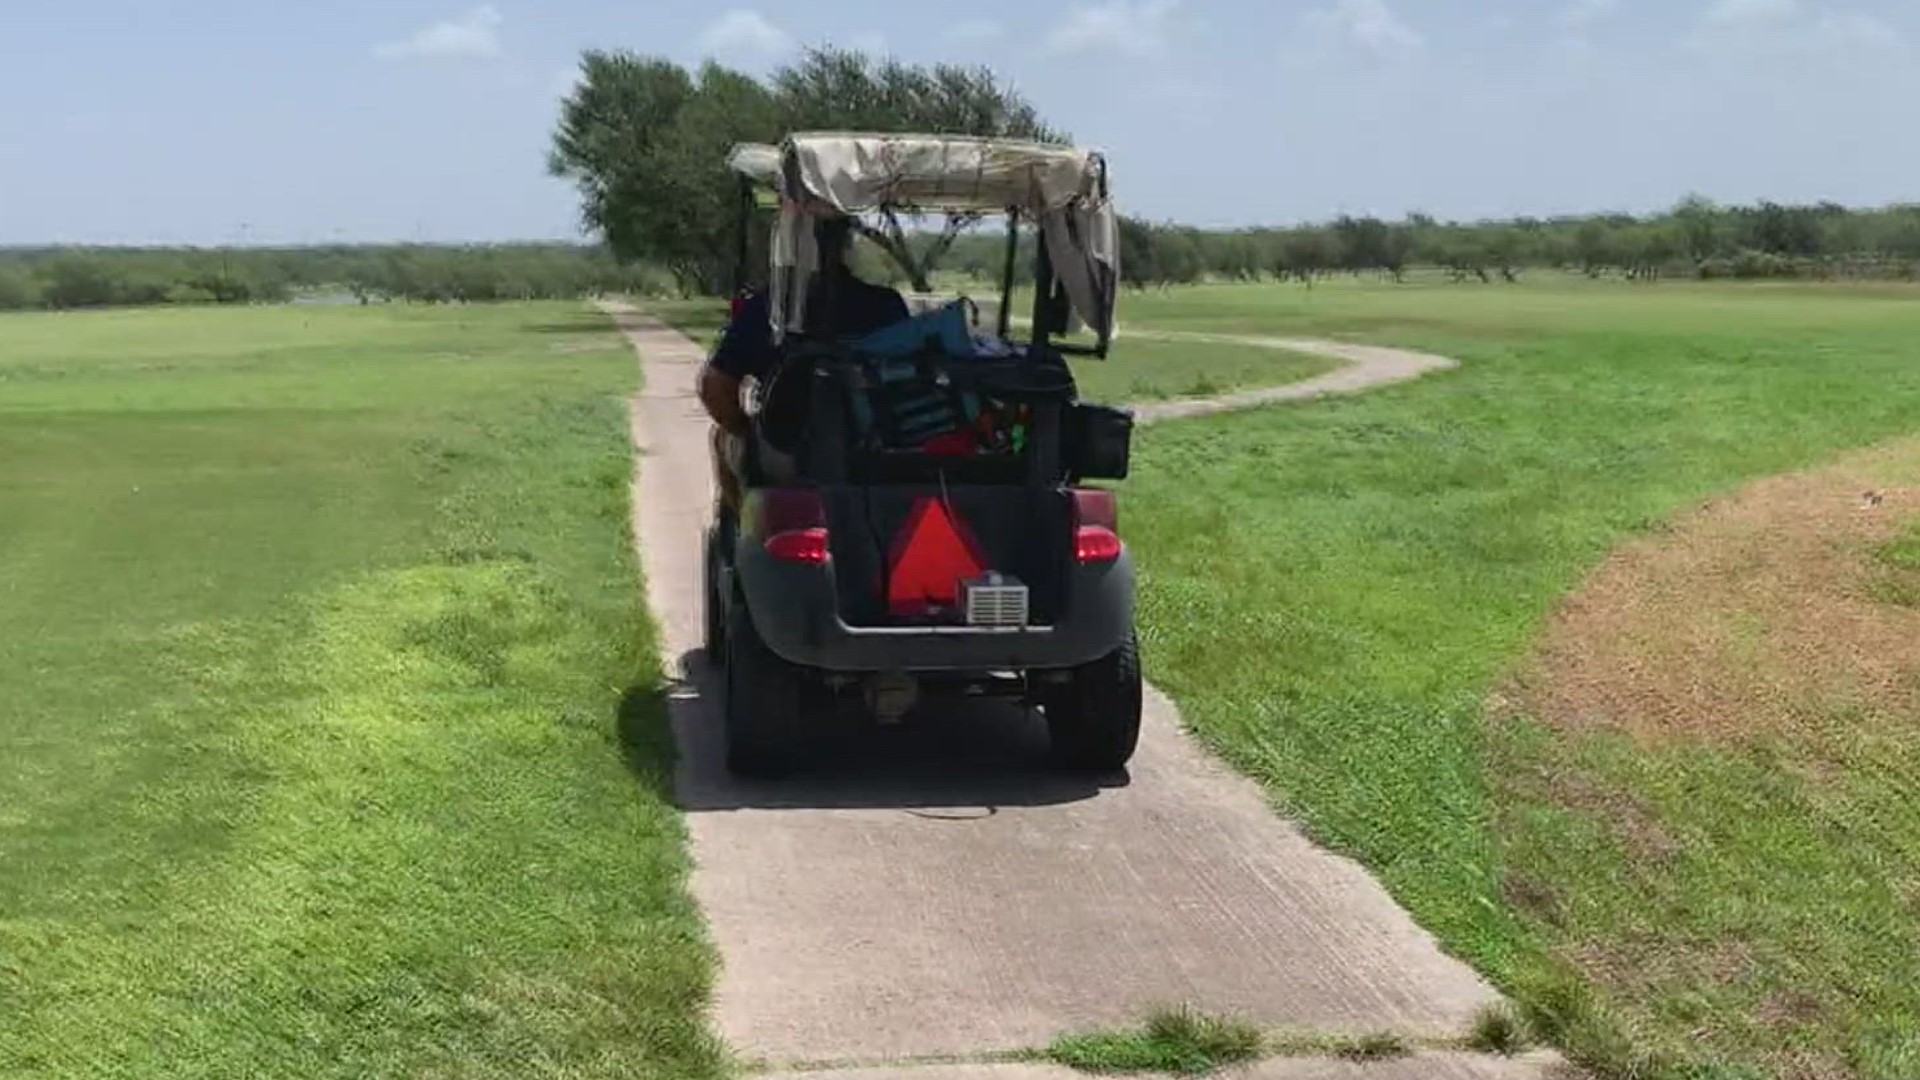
(916, 515)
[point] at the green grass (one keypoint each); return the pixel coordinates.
(333, 740)
(701, 318)
(1901, 558)
(1178, 1041)
(1137, 370)
(1186, 1042)
(1497, 1029)
(1903, 553)
(1141, 370)
(1372, 565)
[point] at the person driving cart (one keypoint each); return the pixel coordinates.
(747, 349)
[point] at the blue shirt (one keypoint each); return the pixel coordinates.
(746, 346)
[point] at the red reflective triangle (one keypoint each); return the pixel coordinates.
(931, 555)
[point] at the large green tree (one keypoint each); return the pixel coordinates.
(645, 142)
(612, 143)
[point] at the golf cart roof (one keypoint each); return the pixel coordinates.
(837, 172)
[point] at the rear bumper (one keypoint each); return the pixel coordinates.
(796, 613)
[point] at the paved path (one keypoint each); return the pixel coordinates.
(936, 892)
(1365, 367)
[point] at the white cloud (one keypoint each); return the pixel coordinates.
(871, 42)
(1750, 13)
(1744, 28)
(1186, 90)
(975, 32)
(1857, 30)
(1127, 27)
(745, 31)
(1581, 15)
(473, 34)
(1369, 24)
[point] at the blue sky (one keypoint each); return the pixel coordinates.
(211, 121)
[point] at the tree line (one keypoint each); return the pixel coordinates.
(1695, 239)
(645, 140)
(67, 277)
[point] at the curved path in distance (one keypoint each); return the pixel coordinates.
(1365, 367)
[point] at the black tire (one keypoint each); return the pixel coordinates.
(1093, 719)
(763, 706)
(714, 607)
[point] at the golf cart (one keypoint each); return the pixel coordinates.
(916, 516)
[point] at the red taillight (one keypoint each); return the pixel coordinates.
(799, 546)
(1095, 517)
(793, 520)
(1095, 544)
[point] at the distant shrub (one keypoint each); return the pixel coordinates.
(189, 294)
(420, 273)
(17, 290)
(1756, 266)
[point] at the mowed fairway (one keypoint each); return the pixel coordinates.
(330, 737)
(1332, 592)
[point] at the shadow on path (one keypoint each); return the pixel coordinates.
(964, 757)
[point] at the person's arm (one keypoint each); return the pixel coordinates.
(743, 351)
(720, 393)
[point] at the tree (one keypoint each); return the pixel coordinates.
(611, 127)
(1177, 253)
(1698, 219)
(17, 290)
(1503, 245)
(1305, 254)
(1594, 247)
(1395, 247)
(645, 143)
(726, 108)
(1138, 263)
(1782, 230)
(1363, 243)
(79, 280)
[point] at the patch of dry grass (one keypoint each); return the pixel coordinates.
(1729, 707)
(1762, 615)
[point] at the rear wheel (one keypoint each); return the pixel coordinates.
(762, 711)
(1093, 719)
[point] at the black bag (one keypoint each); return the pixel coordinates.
(786, 400)
(1099, 442)
(899, 403)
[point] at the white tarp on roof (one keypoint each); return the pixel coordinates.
(853, 173)
(1061, 188)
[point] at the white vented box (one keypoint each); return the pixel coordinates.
(995, 600)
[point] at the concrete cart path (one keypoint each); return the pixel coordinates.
(1366, 367)
(935, 891)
